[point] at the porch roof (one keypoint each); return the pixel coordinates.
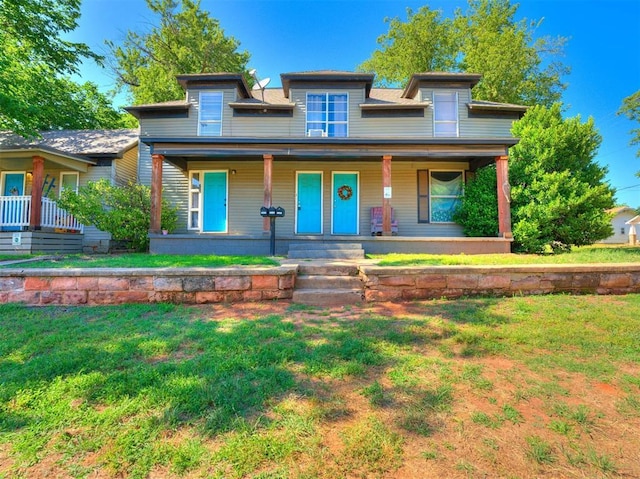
(19, 158)
(181, 149)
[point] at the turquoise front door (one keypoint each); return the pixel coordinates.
(12, 212)
(345, 204)
(309, 208)
(214, 202)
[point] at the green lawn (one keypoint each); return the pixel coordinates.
(545, 386)
(587, 254)
(580, 255)
(143, 260)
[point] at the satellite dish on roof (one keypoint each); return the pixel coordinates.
(262, 84)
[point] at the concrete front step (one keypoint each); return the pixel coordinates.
(328, 269)
(327, 297)
(319, 245)
(330, 250)
(328, 282)
(327, 254)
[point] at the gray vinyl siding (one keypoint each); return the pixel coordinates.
(265, 126)
(93, 237)
(126, 168)
(246, 194)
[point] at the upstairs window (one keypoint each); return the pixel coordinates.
(327, 114)
(445, 114)
(210, 116)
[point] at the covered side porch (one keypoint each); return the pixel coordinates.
(328, 188)
(30, 219)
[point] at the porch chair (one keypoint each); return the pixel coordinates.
(376, 221)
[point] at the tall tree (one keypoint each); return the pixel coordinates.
(187, 40)
(35, 91)
(631, 109)
(486, 39)
(559, 194)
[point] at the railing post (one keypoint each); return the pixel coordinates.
(36, 193)
(156, 193)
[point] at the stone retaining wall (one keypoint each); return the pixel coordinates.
(407, 283)
(126, 285)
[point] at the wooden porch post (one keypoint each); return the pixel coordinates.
(36, 193)
(156, 194)
(268, 188)
(386, 202)
(504, 197)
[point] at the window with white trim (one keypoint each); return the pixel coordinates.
(210, 114)
(69, 181)
(195, 193)
(327, 114)
(439, 195)
(445, 114)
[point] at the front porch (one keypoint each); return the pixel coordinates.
(260, 244)
(54, 231)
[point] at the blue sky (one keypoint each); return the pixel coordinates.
(298, 35)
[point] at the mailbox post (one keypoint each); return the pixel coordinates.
(272, 213)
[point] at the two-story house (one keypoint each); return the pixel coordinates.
(332, 151)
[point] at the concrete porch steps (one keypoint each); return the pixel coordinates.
(319, 250)
(328, 285)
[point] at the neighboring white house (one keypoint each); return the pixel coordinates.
(621, 215)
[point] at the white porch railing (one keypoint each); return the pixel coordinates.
(15, 211)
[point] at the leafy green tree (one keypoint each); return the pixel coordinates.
(35, 91)
(559, 193)
(187, 40)
(123, 211)
(631, 109)
(486, 40)
(559, 196)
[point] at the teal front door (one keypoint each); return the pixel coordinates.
(12, 211)
(309, 208)
(214, 202)
(345, 204)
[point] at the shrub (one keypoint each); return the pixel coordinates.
(123, 211)
(478, 211)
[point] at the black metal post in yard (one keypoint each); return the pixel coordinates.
(272, 222)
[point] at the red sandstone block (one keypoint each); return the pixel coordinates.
(417, 293)
(431, 281)
(74, 297)
(11, 284)
(233, 297)
(382, 295)
(526, 283)
(113, 284)
(264, 282)
(209, 297)
(167, 283)
(49, 297)
(408, 280)
(233, 283)
(35, 283)
(88, 284)
(615, 280)
(27, 297)
(453, 293)
(286, 282)
(490, 282)
(462, 281)
(64, 284)
(585, 282)
(558, 281)
(253, 295)
(139, 283)
(4, 298)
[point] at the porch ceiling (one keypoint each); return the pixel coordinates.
(21, 159)
(367, 149)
